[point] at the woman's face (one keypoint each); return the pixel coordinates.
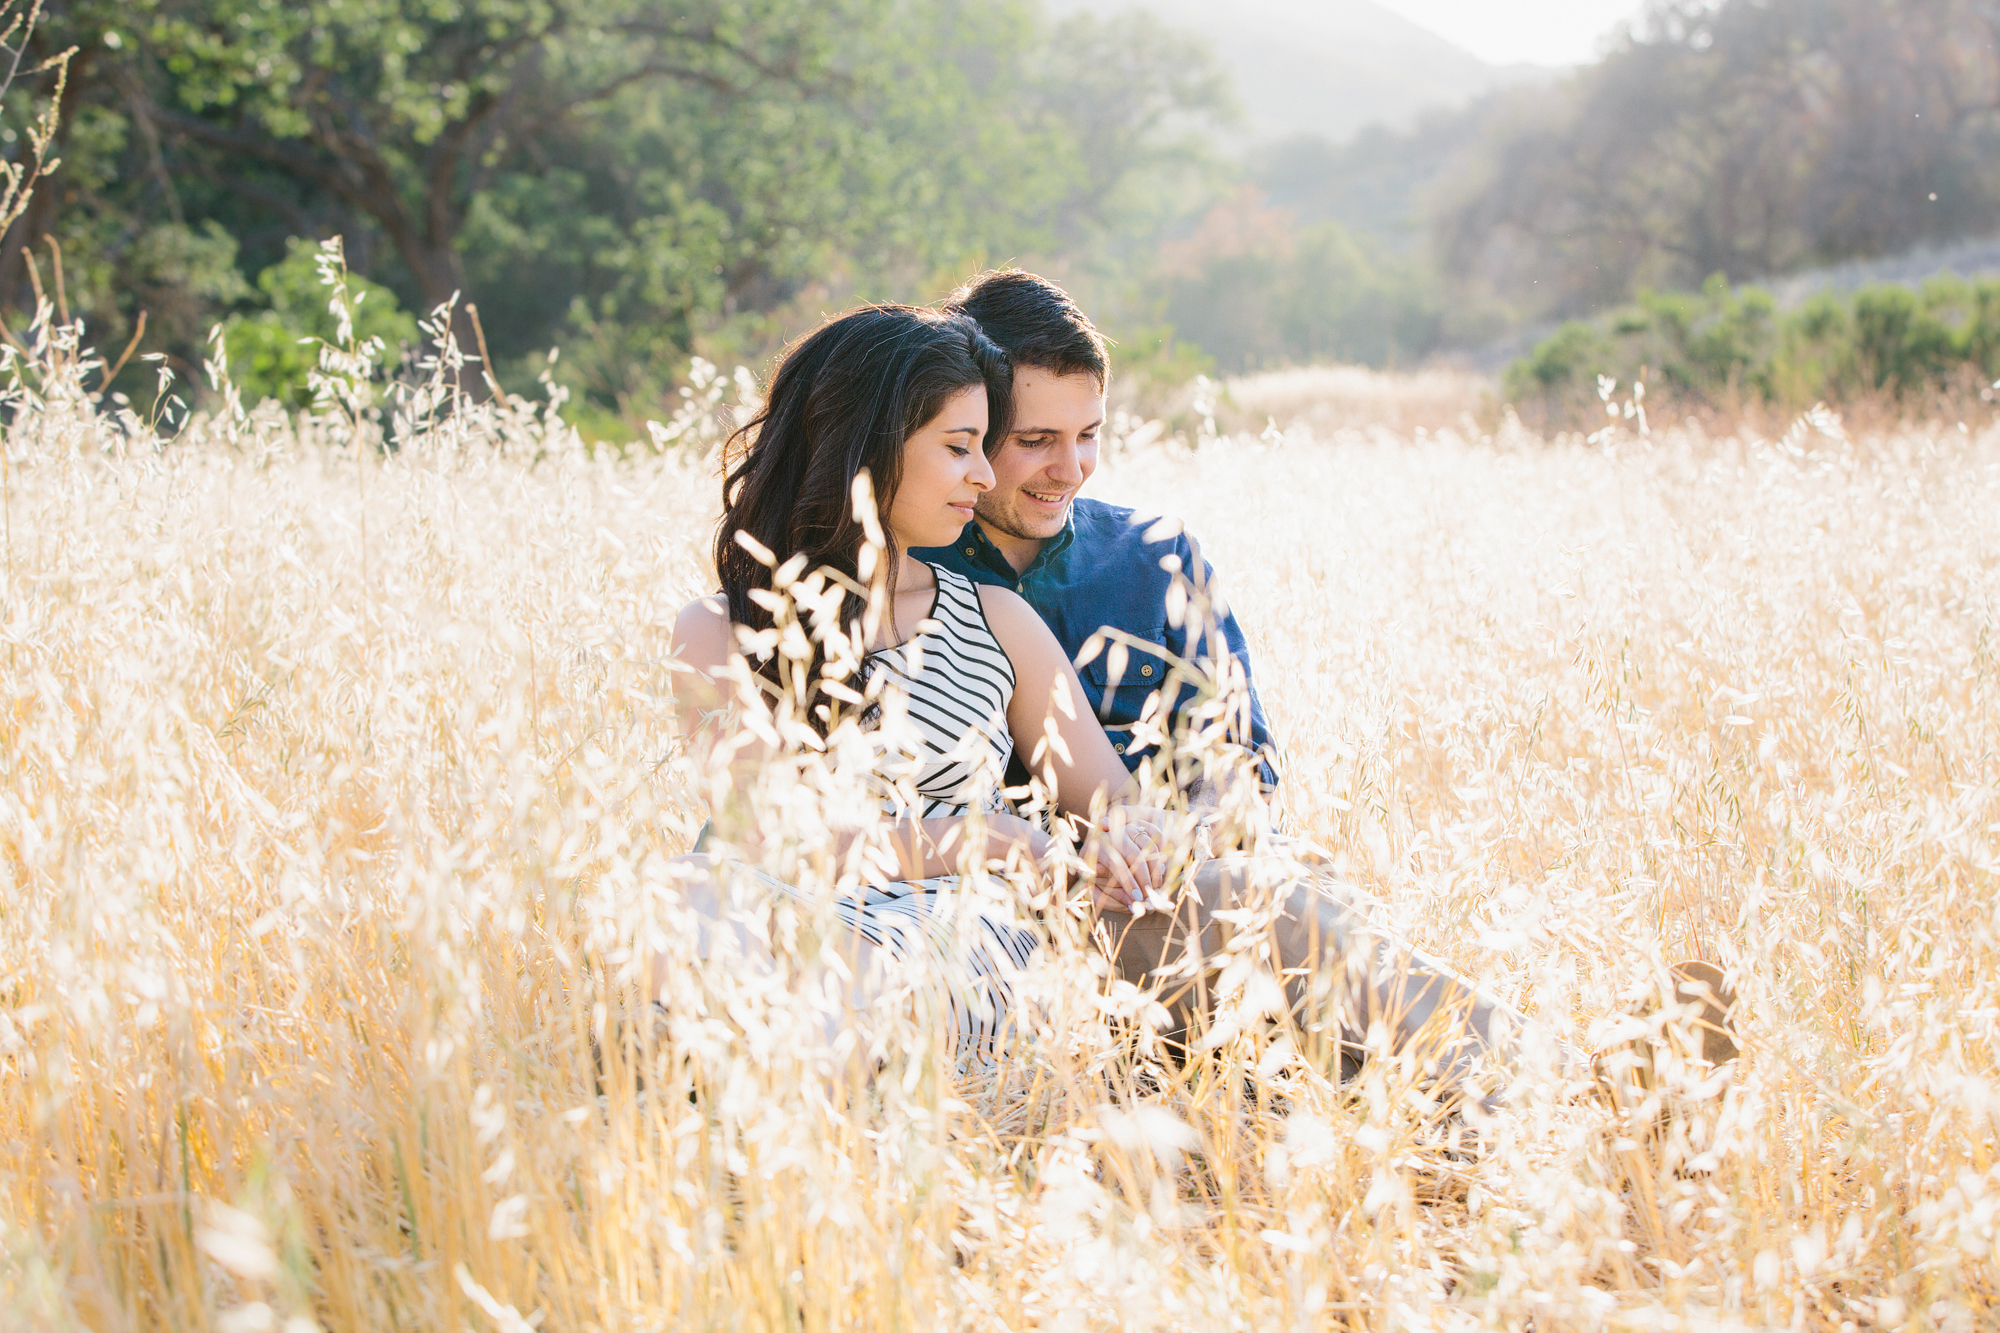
(944, 473)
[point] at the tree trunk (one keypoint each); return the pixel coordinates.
(16, 292)
(440, 276)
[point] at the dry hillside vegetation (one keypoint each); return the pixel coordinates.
(1325, 399)
(335, 788)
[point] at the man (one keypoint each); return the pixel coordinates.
(1089, 567)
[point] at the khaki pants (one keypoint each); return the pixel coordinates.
(1350, 984)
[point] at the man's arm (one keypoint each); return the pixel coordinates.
(1223, 622)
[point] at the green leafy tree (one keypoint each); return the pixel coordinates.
(1749, 137)
(664, 223)
(410, 114)
(629, 181)
(139, 245)
(1255, 289)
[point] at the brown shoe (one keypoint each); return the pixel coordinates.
(1689, 1032)
(634, 1041)
(1703, 984)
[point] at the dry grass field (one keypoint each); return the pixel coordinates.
(334, 788)
(1326, 399)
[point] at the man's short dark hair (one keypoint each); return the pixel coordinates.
(1034, 321)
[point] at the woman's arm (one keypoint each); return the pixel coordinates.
(725, 756)
(927, 847)
(1049, 715)
(701, 642)
(908, 848)
(704, 694)
(1059, 738)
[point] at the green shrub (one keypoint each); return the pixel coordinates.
(1574, 355)
(1899, 343)
(1721, 345)
(271, 351)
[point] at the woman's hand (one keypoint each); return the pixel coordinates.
(955, 845)
(1127, 852)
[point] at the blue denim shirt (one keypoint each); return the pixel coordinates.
(1099, 572)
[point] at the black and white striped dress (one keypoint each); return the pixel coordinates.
(944, 710)
(945, 744)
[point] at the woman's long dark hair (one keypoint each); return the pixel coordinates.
(843, 400)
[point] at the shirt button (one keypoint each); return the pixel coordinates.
(968, 550)
(1146, 670)
(1119, 747)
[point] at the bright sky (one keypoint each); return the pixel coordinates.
(1504, 32)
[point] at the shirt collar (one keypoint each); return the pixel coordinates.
(981, 548)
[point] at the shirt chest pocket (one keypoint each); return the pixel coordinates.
(1140, 670)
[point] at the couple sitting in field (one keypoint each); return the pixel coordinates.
(935, 457)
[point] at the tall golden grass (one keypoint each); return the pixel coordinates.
(336, 786)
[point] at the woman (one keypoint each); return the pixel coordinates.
(870, 445)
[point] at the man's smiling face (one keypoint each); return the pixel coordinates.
(1049, 452)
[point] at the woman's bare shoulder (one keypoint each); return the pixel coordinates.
(701, 633)
(1019, 627)
(1005, 609)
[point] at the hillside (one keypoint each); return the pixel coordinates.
(1327, 67)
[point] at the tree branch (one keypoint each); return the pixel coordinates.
(381, 204)
(487, 116)
(656, 69)
(490, 116)
(711, 40)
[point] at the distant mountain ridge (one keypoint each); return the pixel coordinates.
(1327, 67)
